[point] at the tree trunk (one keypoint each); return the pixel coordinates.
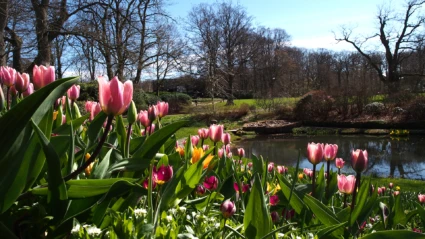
(3, 23)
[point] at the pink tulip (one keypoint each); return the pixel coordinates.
(227, 208)
(359, 160)
(74, 92)
(149, 129)
(29, 90)
(163, 174)
(315, 153)
(114, 96)
(339, 162)
(95, 110)
(396, 193)
(281, 169)
(152, 113)
(203, 133)
(220, 153)
(274, 200)
(13, 91)
(421, 198)
(225, 138)
(43, 76)
(270, 167)
(194, 139)
(241, 152)
(8, 75)
(215, 132)
(162, 109)
(146, 184)
(390, 185)
(22, 82)
(346, 184)
(250, 165)
(330, 151)
(379, 190)
(229, 155)
(87, 105)
(143, 118)
(245, 187)
(211, 183)
(205, 147)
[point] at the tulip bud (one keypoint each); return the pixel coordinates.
(132, 113)
(346, 184)
(95, 110)
(241, 152)
(29, 90)
(200, 190)
(143, 118)
(203, 133)
(9, 75)
(315, 153)
(359, 160)
(220, 153)
(211, 183)
(330, 151)
(281, 169)
(22, 82)
(274, 200)
(152, 113)
(195, 140)
(275, 217)
(162, 108)
(421, 198)
(339, 162)
(270, 167)
(74, 92)
(42, 76)
(228, 208)
(225, 138)
(205, 147)
(391, 185)
(114, 96)
(215, 132)
(163, 174)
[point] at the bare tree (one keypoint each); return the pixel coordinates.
(397, 34)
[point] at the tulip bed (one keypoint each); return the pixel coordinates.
(68, 175)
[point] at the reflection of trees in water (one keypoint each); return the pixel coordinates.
(387, 157)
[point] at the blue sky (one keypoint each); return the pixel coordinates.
(309, 22)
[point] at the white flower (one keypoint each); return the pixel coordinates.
(280, 235)
(94, 231)
(140, 212)
(188, 217)
(182, 209)
(75, 229)
(172, 211)
(169, 218)
(217, 225)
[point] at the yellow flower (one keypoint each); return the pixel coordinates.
(300, 176)
(207, 161)
(90, 167)
(197, 154)
(55, 114)
(180, 150)
(397, 188)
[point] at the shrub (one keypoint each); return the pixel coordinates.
(89, 91)
(375, 108)
(416, 109)
(313, 105)
(400, 98)
(176, 101)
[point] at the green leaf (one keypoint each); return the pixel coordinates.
(64, 129)
(320, 184)
(101, 170)
(122, 134)
(395, 234)
(324, 233)
(131, 164)
(57, 188)
(136, 143)
(6, 233)
(214, 196)
(399, 215)
(296, 198)
(322, 212)
(15, 139)
(155, 141)
(95, 127)
(257, 221)
(362, 197)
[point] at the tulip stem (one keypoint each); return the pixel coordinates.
(7, 98)
(328, 178)
(313, 180)
(357, 186)
(127, 145)
(345, 200)
(95, 152)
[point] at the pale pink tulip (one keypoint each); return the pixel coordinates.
(315, 153)
(162, 109)
(330, 151)
(203, 133)
(346, 184)
(22, 82)
(339, 162)
(194, 139)
(74, 92)
(359, 160)
(29, 90)
(43, 76)
(152, 113)
(215, 132)
(95, 110)
(143, 118)
(8, 75)
(241, 152)
(421, 198)
(114, 96)
(225, 138)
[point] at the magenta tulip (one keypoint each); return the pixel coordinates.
(43, 76)
(315, 153)
(330, 151)
(163, 174)
(74, 92)
(241, 152)
(200, 190)
(227, 208)
(114, 96)
(22, 82)
(162, 108)
(274, 200)
(211, 183)
(215, 132)
(245, 187)
(346, 184)
(275, 217)
(203, 133)
(146, 184)
(359, 160)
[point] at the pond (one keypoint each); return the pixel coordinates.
(388, 157)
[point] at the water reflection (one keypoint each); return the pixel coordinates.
(387, 157)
